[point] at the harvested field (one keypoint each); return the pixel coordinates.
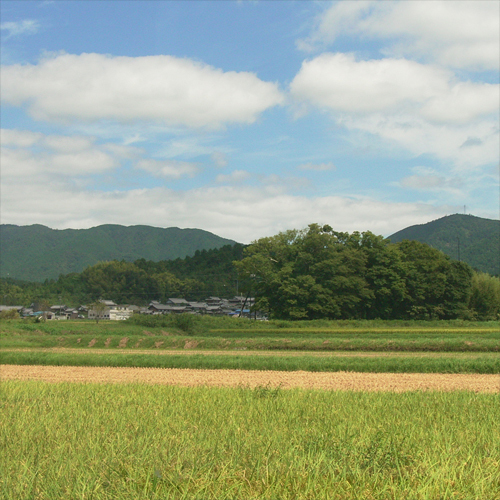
(388, 382)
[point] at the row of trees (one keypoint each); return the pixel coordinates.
(208, 272)
(298, 274)
(320, 273)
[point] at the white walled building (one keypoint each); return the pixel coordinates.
(110, 311)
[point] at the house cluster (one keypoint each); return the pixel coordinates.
(109, 310)
(215, 306)
(54, 312)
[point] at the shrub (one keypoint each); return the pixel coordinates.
(9, 314)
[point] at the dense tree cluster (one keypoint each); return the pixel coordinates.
(319, 273)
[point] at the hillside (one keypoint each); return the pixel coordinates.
(36, 252)
(477, 238)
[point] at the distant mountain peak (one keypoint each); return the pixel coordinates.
(468, 238)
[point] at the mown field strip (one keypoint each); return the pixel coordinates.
(268, 353)
(473, 364)
(350, 381)
(360, 330)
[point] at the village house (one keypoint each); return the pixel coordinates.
(108, 310)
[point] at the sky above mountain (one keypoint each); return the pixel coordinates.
(247, 118)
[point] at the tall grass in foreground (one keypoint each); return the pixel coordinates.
(136, 442)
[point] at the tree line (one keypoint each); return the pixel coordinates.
(206, 273)
(297, 274)
(320, 273)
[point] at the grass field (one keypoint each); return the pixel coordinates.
(133, 441)
(128, 344)
(136, 441)
(473, 363)
(322, 336)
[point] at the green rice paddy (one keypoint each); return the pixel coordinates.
(133, 441)
(156, 442)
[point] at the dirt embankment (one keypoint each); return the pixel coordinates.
(394, 382)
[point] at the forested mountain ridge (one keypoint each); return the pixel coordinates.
(477, 239)
(36, 252)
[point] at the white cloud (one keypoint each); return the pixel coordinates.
(18, 28)
(43, 165)
(172, 169)
(318, 167)
(429, 180)
(68, 144)
(122, 151)
(47, 184)
(441, 187)
(441, 141)
(239, 213)
(164, 89)
(41, 157)
(458, 34)
(18, 138)
(341, 83)
(422, 108)
(236, 177)
(219, 158)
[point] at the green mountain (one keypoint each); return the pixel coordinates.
(35, 253)
(463, 237)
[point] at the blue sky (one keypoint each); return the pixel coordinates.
(247, 118)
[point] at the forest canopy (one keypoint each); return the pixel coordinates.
(320, 273)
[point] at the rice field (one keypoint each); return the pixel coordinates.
(133, 441)
(485, 363)
(301, 429)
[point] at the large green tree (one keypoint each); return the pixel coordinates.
(437, 287)
(320, 273)
(308, 274)
(484, 301)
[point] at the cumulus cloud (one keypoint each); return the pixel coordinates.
(44, 164)
(172, 169)
(441, 141)
(235, 177)
(44, 181)
(67, 144)
(458, 34)
(424, 180)
(19, 138)
(26, 153)
(219, 158)
(422, 108)
(164, 89)
(341, 83)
